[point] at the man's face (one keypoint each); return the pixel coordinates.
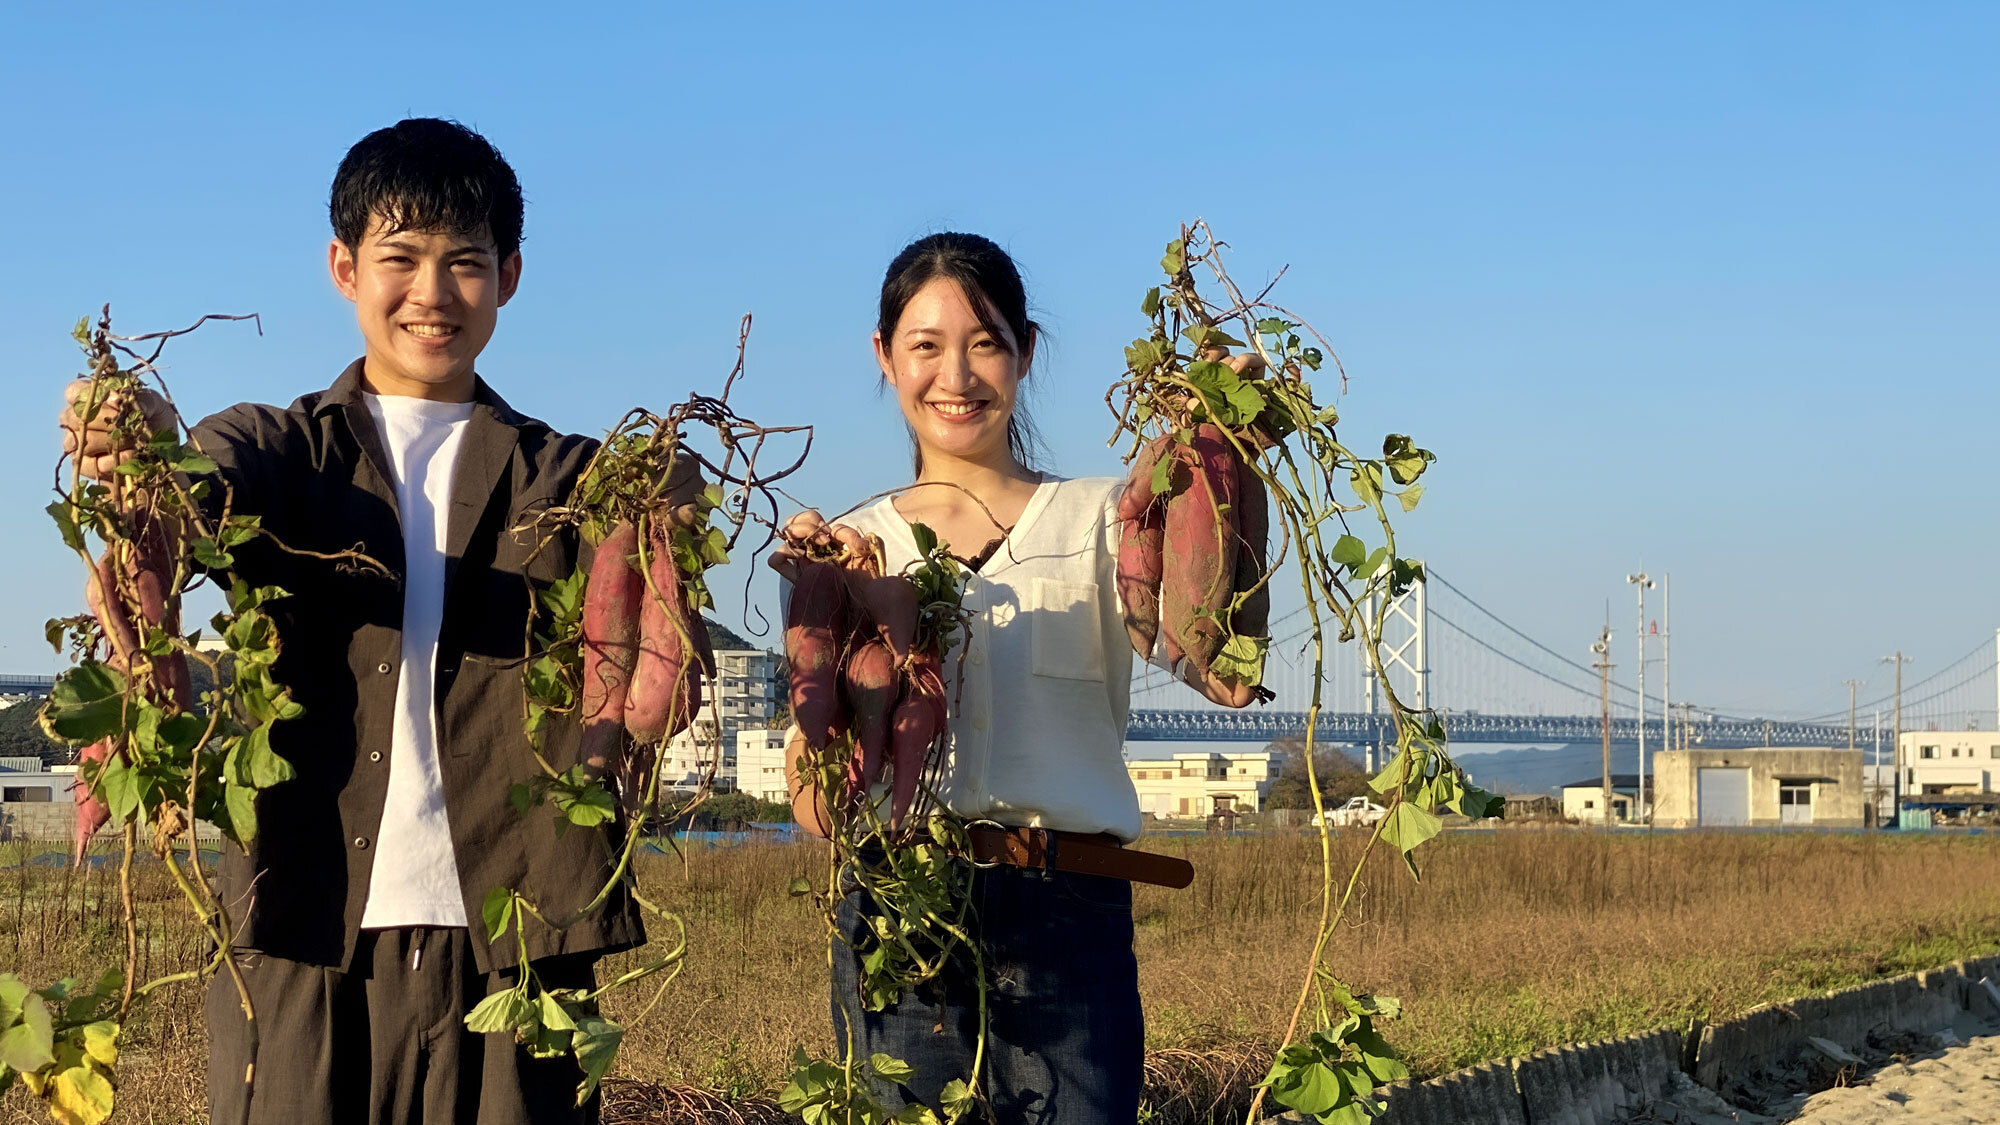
(426, 302)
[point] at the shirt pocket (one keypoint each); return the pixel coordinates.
(1068, 630)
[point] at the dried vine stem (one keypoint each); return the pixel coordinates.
(639, 476)
(153, 754)
(1177, 378)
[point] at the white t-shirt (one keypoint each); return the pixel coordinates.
(415, 878)
(1038, 723)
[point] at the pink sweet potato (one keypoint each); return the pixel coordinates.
(91, 812)
(911, 733)
(891, 602)
(665, 690)
(1201, 546)
(1253, 525)
(1142, 518)
(611, 610)
(814, 629)
(869, 680)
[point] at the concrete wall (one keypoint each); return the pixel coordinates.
(1838, 796)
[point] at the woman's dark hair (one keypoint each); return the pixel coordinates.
(992, 285)
(425, 174)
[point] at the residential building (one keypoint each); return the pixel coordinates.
(1201, 784)
(742, 696)
(1949, 763)
(1759, 788)
(760, 763)
(1583, 801)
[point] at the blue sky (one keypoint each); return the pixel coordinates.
(1709, 287)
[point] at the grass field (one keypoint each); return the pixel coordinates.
(1515, 940)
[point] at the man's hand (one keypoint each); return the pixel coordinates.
(97, 450)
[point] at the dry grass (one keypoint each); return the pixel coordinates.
(1516, 940)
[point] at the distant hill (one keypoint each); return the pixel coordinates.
(723, 637)
(1534, 770)
(21, 736)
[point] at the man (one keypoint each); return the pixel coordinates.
(357, 905)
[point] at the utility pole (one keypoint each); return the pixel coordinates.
(1666, 669)
(1898, 660)
(1875, 790)
(1603, 650)
(1643, 583)
(1851, 685)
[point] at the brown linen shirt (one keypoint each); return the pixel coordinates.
(318, 476)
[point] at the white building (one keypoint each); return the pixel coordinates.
(1958, 762)
(1201, 783)
(760, 763)
(742, 696)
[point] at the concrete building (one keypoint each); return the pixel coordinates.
(1759, 788)
(1582, 801)
(760, 763)
(743, 696)
(1200, 784)
(35, 803)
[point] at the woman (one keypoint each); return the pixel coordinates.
(1037, 730)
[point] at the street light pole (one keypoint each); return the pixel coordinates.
(1898, 660)
(1643, 583)
(1603, 650)
(1851, 685)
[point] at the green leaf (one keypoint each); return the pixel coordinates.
(12, 992)
(553, 1015)
(240, 801)
(956, 1097)
(891, 1069)
(86, 704)
(72, 535)
(28, 1046)
(1273, 326)
(257, 765)
(498, 911)
(1349, 552)
(1163, 475)
(1408, 826)
(927, 540)
(1311, 1089)
(588, 807)
(522, 798)
(1151, 305)
(1312, 358)
(1406, 462)
(596, 1045)
(1241, 659)
(1366, 480)
(1175, 259)
(502, 1011)
(800, 886)
(1410, 496)
(194, 464)
(1229, 400)
(121, 788)
(208, 554)
(1209, 336)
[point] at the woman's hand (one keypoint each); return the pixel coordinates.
(803, 531)
(808, 803)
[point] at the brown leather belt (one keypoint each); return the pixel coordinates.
(1075, 853)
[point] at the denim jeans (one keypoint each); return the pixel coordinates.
(1065, 1037)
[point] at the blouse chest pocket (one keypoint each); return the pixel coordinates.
(1068, 632)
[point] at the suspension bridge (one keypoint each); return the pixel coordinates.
(1491, 682)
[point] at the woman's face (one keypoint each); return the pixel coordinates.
(955, 381)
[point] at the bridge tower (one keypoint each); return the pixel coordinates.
(1405, 646)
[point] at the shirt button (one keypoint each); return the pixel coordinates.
(361, 841)
(374, 755)
(383, 667)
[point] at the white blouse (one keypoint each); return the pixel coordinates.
(1038, 704)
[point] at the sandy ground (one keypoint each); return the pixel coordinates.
(1956, 1085)
(1959, 1086)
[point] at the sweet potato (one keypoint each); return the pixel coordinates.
(611, 610)
(1201, 547)
(91, 811)
(911, 733)
(891, 602)
(108, 605)
(814, 629)
(665, 690)
(1253, 526)
(1141, 560)
(869, 680)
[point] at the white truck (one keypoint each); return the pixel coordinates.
(1358, 812)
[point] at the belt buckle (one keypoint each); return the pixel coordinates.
(969, 826)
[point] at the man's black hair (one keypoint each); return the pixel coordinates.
(425, 174)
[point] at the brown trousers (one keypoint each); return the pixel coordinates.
(384, 1043)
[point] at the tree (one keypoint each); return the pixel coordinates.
(1340, 775)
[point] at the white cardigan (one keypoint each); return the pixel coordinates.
(1038, 704)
